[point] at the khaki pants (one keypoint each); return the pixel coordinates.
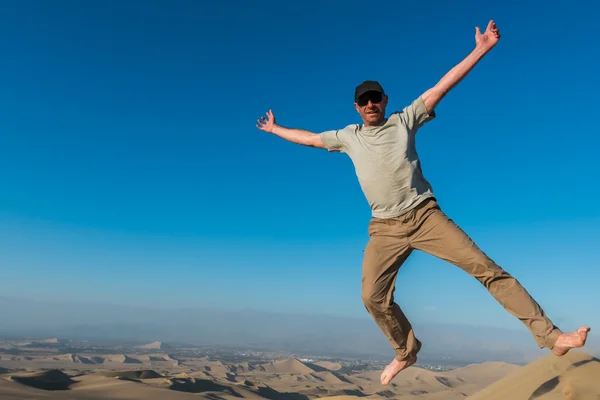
(428, 229)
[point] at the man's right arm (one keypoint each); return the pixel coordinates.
(298, 136)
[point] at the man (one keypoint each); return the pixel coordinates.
(406, 216)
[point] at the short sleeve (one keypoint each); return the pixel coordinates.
(415, 115)
(335, 140)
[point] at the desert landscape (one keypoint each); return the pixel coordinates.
(42, 370)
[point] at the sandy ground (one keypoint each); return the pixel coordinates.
(157, 376)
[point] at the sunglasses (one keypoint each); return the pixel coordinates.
(375, 97)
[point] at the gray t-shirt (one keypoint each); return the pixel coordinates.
(385, 159)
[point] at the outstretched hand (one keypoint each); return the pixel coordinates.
(489, 38)
(266, 124)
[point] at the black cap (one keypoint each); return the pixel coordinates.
(367, 86)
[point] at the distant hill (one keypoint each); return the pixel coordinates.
(153, 346)
(39, 342)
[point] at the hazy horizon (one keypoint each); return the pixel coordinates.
(319, 334)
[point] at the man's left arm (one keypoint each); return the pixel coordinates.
(484, 42)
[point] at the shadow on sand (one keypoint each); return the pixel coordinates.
(551, 384)
(47, 380)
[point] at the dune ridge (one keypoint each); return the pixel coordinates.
(289, 366)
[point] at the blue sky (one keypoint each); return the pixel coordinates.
(132, 172)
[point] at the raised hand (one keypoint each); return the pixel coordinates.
(489, 38)
(266, 124)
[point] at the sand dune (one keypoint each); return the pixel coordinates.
(88, 359)
(574, 376)
(153, 345)
(33, 342)
(155, 376)
(244, 367)
(484, 373)
(289, 366)
(197, 385)
(65, 357)
(46, 380)
(49, 341)
(149, 358)
(330, 377)
(112, 358)
(135, 374)
(96, 386)
(331, 366)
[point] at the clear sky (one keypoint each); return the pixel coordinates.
(132, 172)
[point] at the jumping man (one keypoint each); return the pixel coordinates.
(407, 217)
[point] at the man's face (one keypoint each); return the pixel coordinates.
(371, 107)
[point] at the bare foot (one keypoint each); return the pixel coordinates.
(571, 340)
(394, 368)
